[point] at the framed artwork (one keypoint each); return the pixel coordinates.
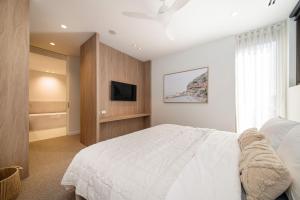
(187, 86)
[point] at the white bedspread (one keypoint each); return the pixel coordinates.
(166, 162)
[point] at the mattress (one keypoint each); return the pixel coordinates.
(166, 162)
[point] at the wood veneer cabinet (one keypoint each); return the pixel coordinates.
(101, 64)
(14, 53)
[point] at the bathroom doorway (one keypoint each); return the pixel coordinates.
(48, 95)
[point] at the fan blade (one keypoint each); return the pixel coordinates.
(270, 3)
(169, 34)
(177, 5)
(138, 15)
(164, 8)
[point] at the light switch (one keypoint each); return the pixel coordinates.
(103, 112)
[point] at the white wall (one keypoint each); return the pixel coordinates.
(219, 113)
(293, 103)
(293, 107)
(74, 95)
(45, 86)
(292, 35)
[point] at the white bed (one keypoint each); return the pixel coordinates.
(166, 162)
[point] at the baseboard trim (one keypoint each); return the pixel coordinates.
(75, 132)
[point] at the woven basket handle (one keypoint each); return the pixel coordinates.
(14, 166)
(17, 167)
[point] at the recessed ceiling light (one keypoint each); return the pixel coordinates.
(112, 32)
(63, 26)
(137, 47)
(52, 43)
(234, 14)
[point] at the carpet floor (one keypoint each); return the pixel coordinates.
(48, 160)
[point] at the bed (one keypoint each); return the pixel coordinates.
(166, 162)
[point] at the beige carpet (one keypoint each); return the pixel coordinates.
(48, 161)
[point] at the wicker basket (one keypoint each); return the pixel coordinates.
(10, 183)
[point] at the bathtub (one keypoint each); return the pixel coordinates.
(47, 120)
(47, 125)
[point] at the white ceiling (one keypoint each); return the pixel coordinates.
(198, 22)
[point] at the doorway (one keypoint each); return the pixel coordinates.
(48, 95)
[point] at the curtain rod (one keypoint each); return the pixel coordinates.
(264, 29)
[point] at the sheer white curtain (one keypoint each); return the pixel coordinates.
(261, 76)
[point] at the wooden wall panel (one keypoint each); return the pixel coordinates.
(14, 53)
(100, 65)
(118, 128)
(88, 90)
(147, 92)
(117, 66)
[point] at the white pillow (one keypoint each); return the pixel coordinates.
(289, 152)
(276, 129)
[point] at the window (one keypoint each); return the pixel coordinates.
(261, 76)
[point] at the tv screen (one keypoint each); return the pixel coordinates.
(123, 91)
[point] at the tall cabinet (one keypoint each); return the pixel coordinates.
(14, 53)
(101, 118)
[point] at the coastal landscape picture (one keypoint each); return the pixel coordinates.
(186, 87)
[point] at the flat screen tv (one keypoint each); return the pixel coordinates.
(123, 91)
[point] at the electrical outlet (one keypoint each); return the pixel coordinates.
(103, 112)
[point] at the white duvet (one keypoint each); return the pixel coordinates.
(166, 162)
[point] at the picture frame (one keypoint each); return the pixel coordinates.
(189, 86)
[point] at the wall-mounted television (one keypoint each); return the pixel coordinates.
(122, 91)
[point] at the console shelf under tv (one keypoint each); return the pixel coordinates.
(123, 117)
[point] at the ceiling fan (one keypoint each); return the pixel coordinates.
(271, 2)
(163, 16)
